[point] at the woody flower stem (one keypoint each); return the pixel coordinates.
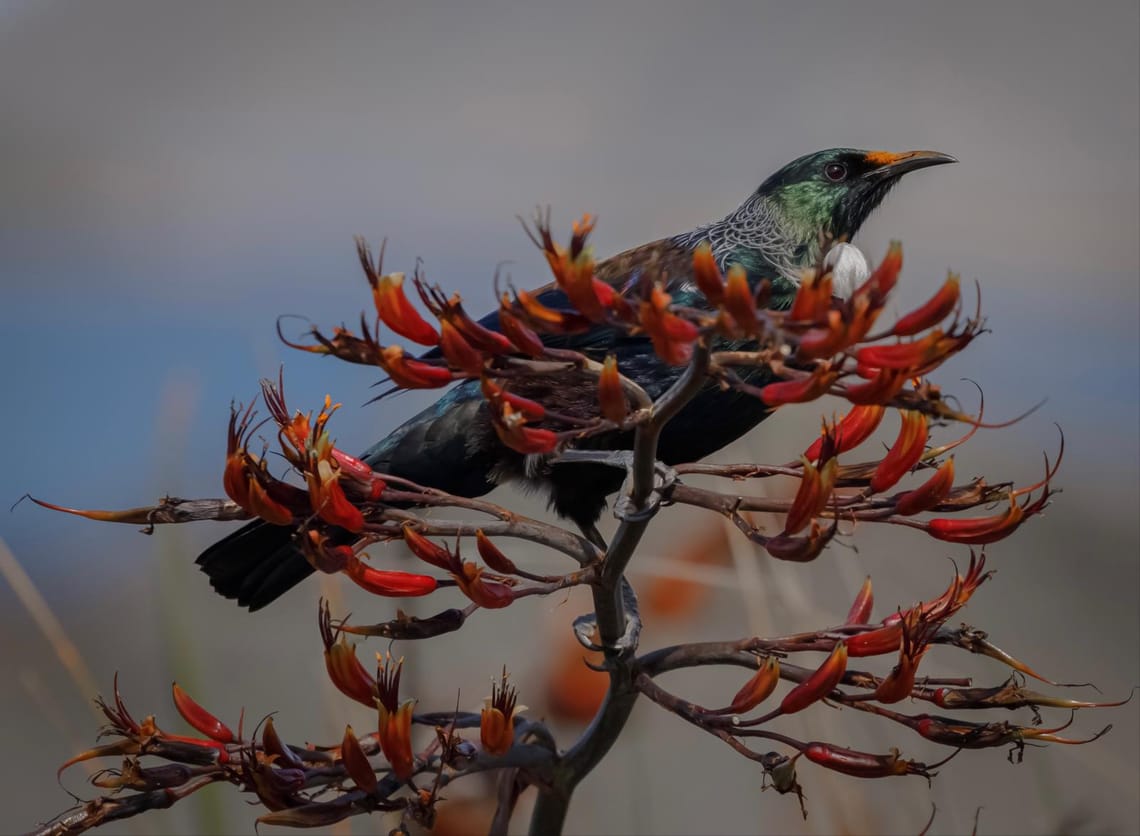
(640, 506)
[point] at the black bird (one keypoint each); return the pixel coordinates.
(452, 446)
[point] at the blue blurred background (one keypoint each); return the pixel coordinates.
(176, 176)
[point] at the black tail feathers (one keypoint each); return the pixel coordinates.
(256, 565)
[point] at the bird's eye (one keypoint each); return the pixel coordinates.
(835, 172)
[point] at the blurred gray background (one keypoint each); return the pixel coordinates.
(176, 176)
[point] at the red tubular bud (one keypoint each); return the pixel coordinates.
(801, 390)
(201, 719)
(826, 340)
(492, 594)
(880, 389)
(412, 374)
(396, 311)
(904, 356)
(389, 584)
(860, 612)
(904, 453)
(526, 340)
(427, 551)
(819, 684)
(855, 428)
(884, 277)
(707, 274)
(264, 506)
(933, 312)
(530, 410)
(816, 486)
(887, 639)
(492, 556)
(344, 669)
(800, 549)
(672, 336)
(758, 688)
(356, 762)
(856, 764)
(978, 531)
(930, 493)
(511, 428)
(460, 354)
(813, 298)
(611, 396)
(739, 301)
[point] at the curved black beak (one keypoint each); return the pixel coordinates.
(896, 165)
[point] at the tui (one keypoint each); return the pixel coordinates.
(452, 446)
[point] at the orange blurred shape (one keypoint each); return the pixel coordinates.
(674, 598)
(463, 816)
(573, 691)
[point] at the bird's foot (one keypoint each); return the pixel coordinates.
(585, 626)
(664, 477)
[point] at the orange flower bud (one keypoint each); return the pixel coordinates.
(816, 486)
(855, 428)
(800, 549)
(739, 301)
(904, 453)
(491, 593)
(826, 340)
(917, 631)
(395, 718)
(707, 274)
(672, 336)
(492, 555)
(884, 277)
(530, 410)
(876, 642)
(813, 298)
(611, 397)
(412, 374)
(860, 612)
(819, 684)
(387, 583)
(328, 500)
(978, 531)
(344, 669)
(356, 762)
(264, 506)
(933, 312)
(905, 356)
(497, 722)
(460, 354)
(526, 340)
(799, 390)
(929, 493)
(861, 764)
(201, 719)
(396, 311)
(511, 428)
(758, 688)
(880, 389)
(548, 319)
(427, 551)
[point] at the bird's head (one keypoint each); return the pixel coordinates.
(834, 191)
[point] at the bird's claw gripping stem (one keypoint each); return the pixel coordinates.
(585, 625)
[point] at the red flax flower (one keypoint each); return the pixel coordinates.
(918, 629)
(757, 689)
(611, 397)
(395, 717)
(739, 301)
(860, 612)
(325, 491)
(497, 721)
(672, 336)
(707, 275)
(490, 591)
(934, 311)
(510, 426)
(412, 374)
(852, 430)
(904, 453)
(929, 493)
(863, 764)
(819, 684)
(816, 486)
(799, 390)
(344, 669)
(392, 305)
(573, 268)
